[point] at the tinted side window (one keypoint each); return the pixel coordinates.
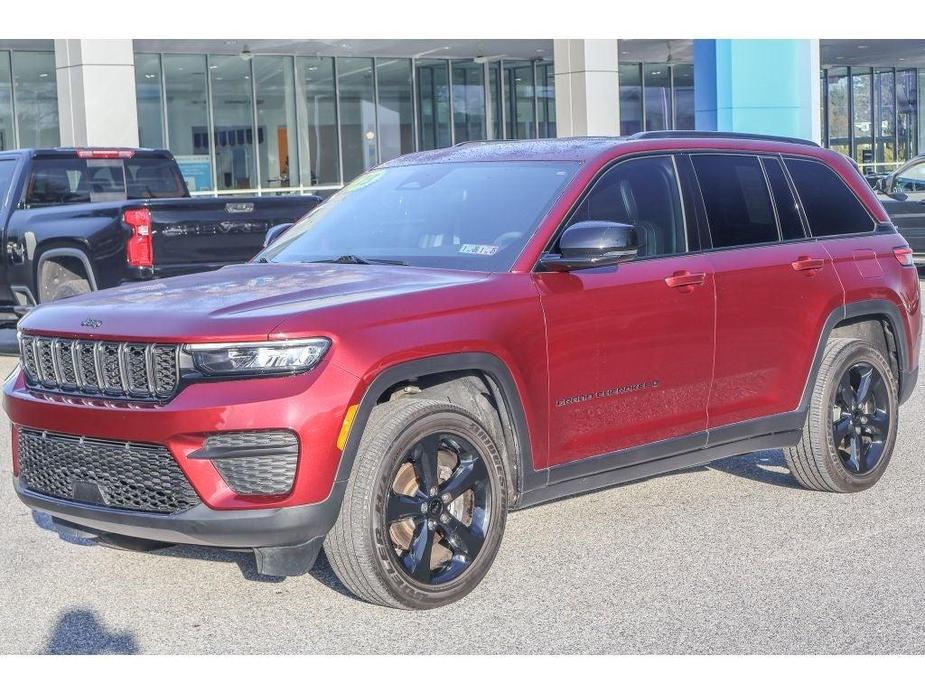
(830, 206)
(642, 192)
(910, 180)
(736, 198)
(788, 212)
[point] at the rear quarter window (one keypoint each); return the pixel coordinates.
(832, 209)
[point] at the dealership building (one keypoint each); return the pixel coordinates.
(275, 116)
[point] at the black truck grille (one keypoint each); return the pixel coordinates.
(136, 371)
(115, 474)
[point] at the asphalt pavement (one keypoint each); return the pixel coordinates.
(732, 557)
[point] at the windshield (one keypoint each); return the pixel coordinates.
(465, 216)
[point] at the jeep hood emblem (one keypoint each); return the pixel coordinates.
(92, 323)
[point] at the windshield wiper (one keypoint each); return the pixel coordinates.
(358, 260)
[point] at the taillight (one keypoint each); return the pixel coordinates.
(904, 256)
(139, 251)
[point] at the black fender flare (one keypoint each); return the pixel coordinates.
(877, 309)
(514, 422)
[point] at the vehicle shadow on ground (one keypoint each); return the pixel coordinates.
(79, 632)
(764, 466)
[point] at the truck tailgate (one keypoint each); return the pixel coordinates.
(201, 233)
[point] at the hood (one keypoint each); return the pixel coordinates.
(240, 302)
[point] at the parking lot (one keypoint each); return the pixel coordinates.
(732, 557)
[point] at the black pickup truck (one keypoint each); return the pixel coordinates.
(76, 220)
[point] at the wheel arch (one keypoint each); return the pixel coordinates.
(50, 250)
(849, 320)
(505, 392)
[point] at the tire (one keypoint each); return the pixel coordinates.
(367, 551)
(824, 459)
(58, 281)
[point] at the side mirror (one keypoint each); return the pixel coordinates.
(593, 244)
(275, 232)
(898, 195)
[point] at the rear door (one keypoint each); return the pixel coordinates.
(774, 288)
(8, 168)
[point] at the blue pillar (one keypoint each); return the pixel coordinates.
(757, 86)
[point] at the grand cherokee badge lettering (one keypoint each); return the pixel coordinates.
(92, 323)
(607, 393)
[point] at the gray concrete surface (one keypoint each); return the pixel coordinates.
(727, 558)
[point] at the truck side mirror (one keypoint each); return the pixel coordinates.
(275, 232)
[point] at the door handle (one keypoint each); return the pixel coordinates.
(683, 278)
(805, 263)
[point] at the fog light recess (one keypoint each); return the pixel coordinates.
(253, 463)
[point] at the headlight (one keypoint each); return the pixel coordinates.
(254, 358)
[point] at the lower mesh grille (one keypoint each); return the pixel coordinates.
(254, 463)
(116, 474)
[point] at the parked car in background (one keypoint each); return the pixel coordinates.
(470, 330)
(77, 220)
(902, 194)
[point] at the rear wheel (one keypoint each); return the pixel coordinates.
(850, 429)
(424, 510)
(61, 277)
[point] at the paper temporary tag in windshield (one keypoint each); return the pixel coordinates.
(478, 249)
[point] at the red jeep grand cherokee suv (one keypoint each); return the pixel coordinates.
(465, 331)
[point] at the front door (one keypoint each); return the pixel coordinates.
(630, 346)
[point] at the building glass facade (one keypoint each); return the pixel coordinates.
(656, 96)
(28, 100)
(872, 114)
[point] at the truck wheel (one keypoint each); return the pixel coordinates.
(850, 429)
(60, 278)
(424, 509)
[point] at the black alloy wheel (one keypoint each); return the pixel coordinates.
(861, 418)
(438, 508)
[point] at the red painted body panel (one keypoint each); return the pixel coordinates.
(607, 332)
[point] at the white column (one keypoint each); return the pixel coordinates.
(587, 87)
(96, 92)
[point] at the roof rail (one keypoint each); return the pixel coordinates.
(711, 135)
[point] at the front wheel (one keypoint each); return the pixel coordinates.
(424, 509)
(850, 429)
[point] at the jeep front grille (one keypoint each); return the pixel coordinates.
(115, 474)
(137, 371)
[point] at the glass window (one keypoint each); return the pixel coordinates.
(521, 108)
(396, 107)
(910, 180)
(7, 132)
(277, 136)
(148, 100)
(831, 208)
(467, 216)
(906, 114)
(433, 104)
(468, 101)
(837, 79)
(657, 84)
(188, 118)
(788, 212)
(7, 168)
(36, 98)
(682, 77)
(884, 115)
(736, 198)
(630, 79)
(318, 121)
(357, 115)
(63, 181)
(863, 115)
(233, 122)
(546, 98)
(152, 177)
(642, 192)
(496, 131)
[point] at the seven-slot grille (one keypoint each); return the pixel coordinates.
(139, 371)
